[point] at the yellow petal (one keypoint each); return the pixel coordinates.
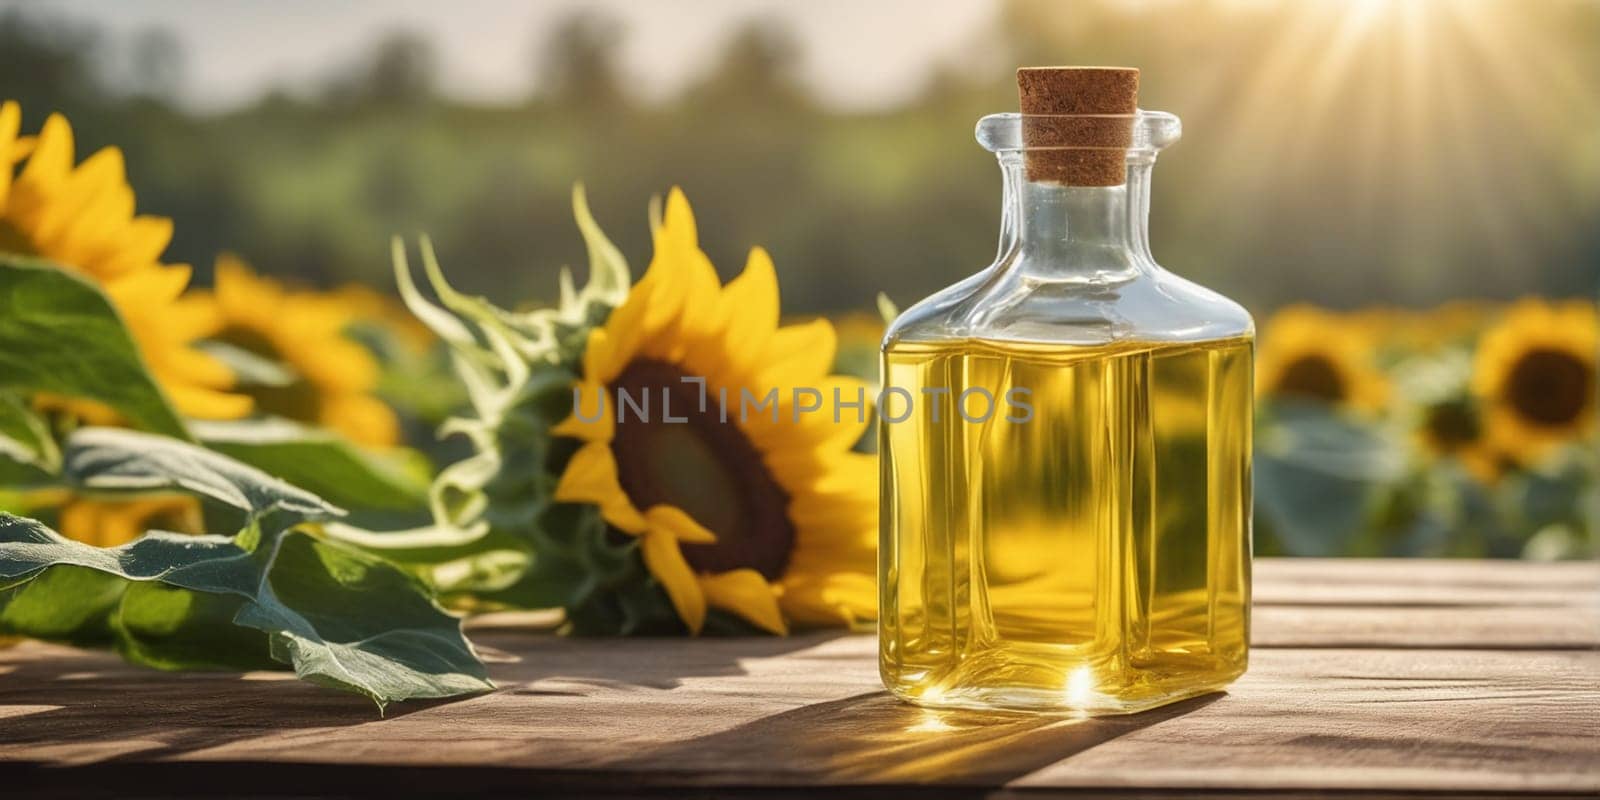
(704, 314)
(675, 522)
(841, 598)
(799, 354)
(665, 304)
(147, 238)
(623, 331)
(151, 288)
(362, 418)
(603, 357)
(195, 315)
(677, 225)
(10, 123)
(591, 401)
(591, 477)
(751, 304)
(51, 161)
(183, 364)
(746, 593)
(665, 560)
(193, 401)
(241, 293)
(96, 175)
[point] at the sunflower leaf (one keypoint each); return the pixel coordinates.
(28, 453)
(60, 335)
(1319, 477)
(270, 593)
(323, 463)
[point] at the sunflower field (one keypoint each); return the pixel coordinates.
(257, 474)
(1467, 430)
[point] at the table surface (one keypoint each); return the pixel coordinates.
(1383, 677)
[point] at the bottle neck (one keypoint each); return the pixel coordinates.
(1077, 232)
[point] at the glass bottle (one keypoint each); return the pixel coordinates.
(1065, 448)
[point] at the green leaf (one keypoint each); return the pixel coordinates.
(353, 621)
(64, 604)
(59, 334)
(1319, 477)
(116, 459)
(323, 463)
(28, 453)
(171, 628)
(340, 617)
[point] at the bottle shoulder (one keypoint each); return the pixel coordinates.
(1010, 305)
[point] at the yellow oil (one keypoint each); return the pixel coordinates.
(1092, 556)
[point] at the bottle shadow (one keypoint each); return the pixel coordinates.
(875, 738)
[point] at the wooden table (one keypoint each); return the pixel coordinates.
(1384, 677)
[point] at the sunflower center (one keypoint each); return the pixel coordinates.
(1550, 387)
(292, 397)
(1451, 425)
(704, 466)
(13, 241)
(1314, 377)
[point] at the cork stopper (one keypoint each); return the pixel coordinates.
(1087, 112)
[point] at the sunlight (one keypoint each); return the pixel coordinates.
(1429, 104)
(931, 722)
(1080, 686)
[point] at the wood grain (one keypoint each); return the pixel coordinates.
(1438, 697)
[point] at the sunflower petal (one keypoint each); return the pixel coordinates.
(751, 304)
(799, 354)
(591, 477)
(200, 403)
(677, 225)
(10, 124)
(746, 593)
(49, 165)
(676, 522)
(601, 429)
(362, 418)
(665, 560)
(839, 598)
(147, 238)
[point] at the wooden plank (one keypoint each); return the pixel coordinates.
(640, 715)
(1453, 627)
(665, 713)
(1440, 721)
(1402, 582)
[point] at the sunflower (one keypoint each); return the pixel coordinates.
(81, 218)
(1452, 428)
(368, 306)
(316, 373)
(1535, 375)
(1409, 330)
(768, 516)
(1306, 353)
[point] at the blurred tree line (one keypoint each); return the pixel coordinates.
(1316, 165)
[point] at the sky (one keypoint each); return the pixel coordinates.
(856, 55)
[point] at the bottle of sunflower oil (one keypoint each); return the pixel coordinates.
(1065, 440)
